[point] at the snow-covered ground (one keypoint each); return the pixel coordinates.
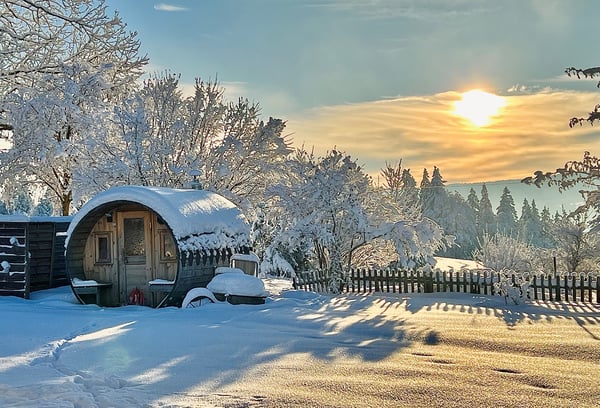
(300, 349)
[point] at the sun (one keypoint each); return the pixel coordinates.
(479, 106)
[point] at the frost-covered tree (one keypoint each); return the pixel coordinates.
(162, 136)
(22, 203)
(39, 37)
(62, 61)
(392, 178)
(435, 197)
(530, 224)
(486, 219)
(578, 245)
(424, 189)
(460, 222)
(330, 203)
(3, 208)
(400, 184)
(506, 215)
(547, 224)
(56, 126)
(43, 208)
(409, 187)
(473, 201)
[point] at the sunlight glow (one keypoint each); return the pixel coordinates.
(479, 106)
(103, 334)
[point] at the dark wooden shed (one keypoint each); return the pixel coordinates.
(32, 255)
(151, 245)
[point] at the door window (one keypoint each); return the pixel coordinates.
(134, 240)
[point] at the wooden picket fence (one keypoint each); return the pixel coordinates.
(584, 287)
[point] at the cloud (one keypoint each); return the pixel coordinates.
(413, 9)
(168, 7)
(530, 134)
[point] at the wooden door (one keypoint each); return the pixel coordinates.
(135, 268)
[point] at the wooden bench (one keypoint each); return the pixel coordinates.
(90, 288)
(161, 289)
(161, 285)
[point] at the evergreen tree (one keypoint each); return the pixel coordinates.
(408, 181)
(473, 200)
(22, 203)
(547, 224)
(424, 187)
(435, 201)
(486, 222)
(535, 233)
(524, 220)
(409, 186)
(460, 222)
(506, 214)
(44, 208)
(3, 208)
(530, 224)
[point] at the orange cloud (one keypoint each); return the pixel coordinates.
(531, 133)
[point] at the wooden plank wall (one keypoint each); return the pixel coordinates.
(36, 255)
(13, 259)
(58, 276)
(47, 255)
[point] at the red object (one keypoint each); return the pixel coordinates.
(136, 297)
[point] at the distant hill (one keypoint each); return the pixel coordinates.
(544, 197)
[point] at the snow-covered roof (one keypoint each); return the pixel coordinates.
(36, 218)
(199, 219)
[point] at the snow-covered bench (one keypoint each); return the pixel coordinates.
(89, 287)
(161, 285)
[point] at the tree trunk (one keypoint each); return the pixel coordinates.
(65, 202)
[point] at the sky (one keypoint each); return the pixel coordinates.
(379, 79)
(299, 349)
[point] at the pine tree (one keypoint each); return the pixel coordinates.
(424, 187)
(487, 219)
(22, 203)
(44, 207)
(3, 208)
(409, 187)
(473, 200)
(435, 202)
(530, 225)
(506, 214)
(547, 224)
(460, 222)
(523, 223)
(535, 232)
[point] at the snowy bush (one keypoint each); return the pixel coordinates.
(501, 251)
(513, 286)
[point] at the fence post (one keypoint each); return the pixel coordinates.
(485, 284)
(557, 296)
(428, 282)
